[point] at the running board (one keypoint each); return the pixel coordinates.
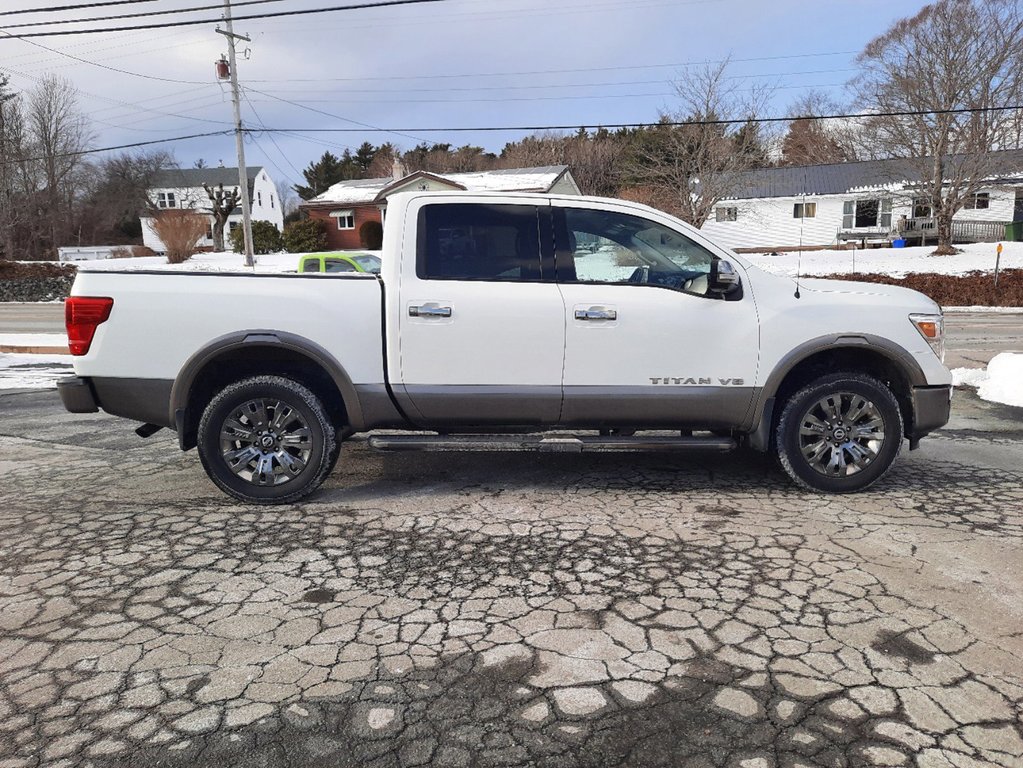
(573, 444)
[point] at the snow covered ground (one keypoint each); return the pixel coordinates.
(1001, 382)
(33, 339)
(897, 262)
(33, 371)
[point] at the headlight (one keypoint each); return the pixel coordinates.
(932, 328)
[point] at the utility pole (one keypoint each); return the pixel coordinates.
(243, 175)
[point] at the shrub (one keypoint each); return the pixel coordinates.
(305, 236)
(266, 238)
(180, 232)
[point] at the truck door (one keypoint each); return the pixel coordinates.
(646, 344)
(481, 322)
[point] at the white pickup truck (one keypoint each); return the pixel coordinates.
(514, 321)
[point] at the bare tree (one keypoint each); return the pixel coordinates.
(120, 194)
(11, 156)
(690, 168)
(811, 140)
(58, 133)
(595, 159)
(222, 203)
(959, 64)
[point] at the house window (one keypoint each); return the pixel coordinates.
(981, 200)
(232, 226)
(271, 199)
(259, 198)
(345, 219)
(922, 208)
(804, 211)
(165, 200)
(726, 214)
(867, 214)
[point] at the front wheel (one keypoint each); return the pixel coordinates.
(267, 440)
(839, 434)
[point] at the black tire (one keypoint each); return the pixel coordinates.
(840, 433)
(300, 447)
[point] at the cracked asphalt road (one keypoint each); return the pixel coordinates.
(508, 609)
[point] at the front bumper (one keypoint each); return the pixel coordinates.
(77, 395)
(931, 407)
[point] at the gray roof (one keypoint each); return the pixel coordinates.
(175, 178)
(840, 178)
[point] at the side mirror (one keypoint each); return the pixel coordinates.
(723, 278)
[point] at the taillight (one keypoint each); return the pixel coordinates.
(81, 316)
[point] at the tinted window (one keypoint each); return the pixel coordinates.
(311, 265)
(609, 247)
(337, 265)
(478, 242)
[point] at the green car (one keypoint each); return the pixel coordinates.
(340, 262)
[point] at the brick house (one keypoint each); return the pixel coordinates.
(355, 211)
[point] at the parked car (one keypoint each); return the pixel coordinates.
(340, 262)
(489, 317)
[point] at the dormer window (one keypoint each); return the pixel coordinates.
(165, 200)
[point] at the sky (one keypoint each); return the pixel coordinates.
(454, 63)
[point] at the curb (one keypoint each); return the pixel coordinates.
(34, 350)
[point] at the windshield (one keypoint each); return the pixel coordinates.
(368, 262)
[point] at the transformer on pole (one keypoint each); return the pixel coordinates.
(243, 175)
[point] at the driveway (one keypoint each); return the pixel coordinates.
(507, 609)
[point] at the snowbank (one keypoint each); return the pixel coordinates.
(33, 371)
(1002, 382)
(896, 262)
(201, 262)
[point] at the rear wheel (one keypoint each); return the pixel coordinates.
(267, 440)
(840, 433)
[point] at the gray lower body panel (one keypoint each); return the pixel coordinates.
(642, 407)
(657, 407)
(931, 409)
(145, 400)
(454, 406)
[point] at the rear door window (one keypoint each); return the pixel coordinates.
(459, 241)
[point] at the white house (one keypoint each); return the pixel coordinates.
(183, 188)
(827, 205)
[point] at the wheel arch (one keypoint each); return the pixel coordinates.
(239, 355)
(862, 353)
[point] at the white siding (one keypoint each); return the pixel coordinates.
(769, 223)
(263, 191)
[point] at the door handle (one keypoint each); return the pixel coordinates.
(596, 313)
(429, 310)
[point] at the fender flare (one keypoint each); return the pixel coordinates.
(253, 339)
(762, 409)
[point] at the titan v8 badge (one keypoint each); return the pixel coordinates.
(691, 382)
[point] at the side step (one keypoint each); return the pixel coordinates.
(548, 443)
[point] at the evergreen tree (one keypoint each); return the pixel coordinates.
(319, 176)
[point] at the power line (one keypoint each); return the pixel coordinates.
(664, 123)
(137, 15)
(557, 71)
(134, 145)
(193, 22)
(97, 64)
(54, 8)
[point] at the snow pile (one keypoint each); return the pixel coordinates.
(33, 339)
(1002, 382)
(33, 371)
(896, 262)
